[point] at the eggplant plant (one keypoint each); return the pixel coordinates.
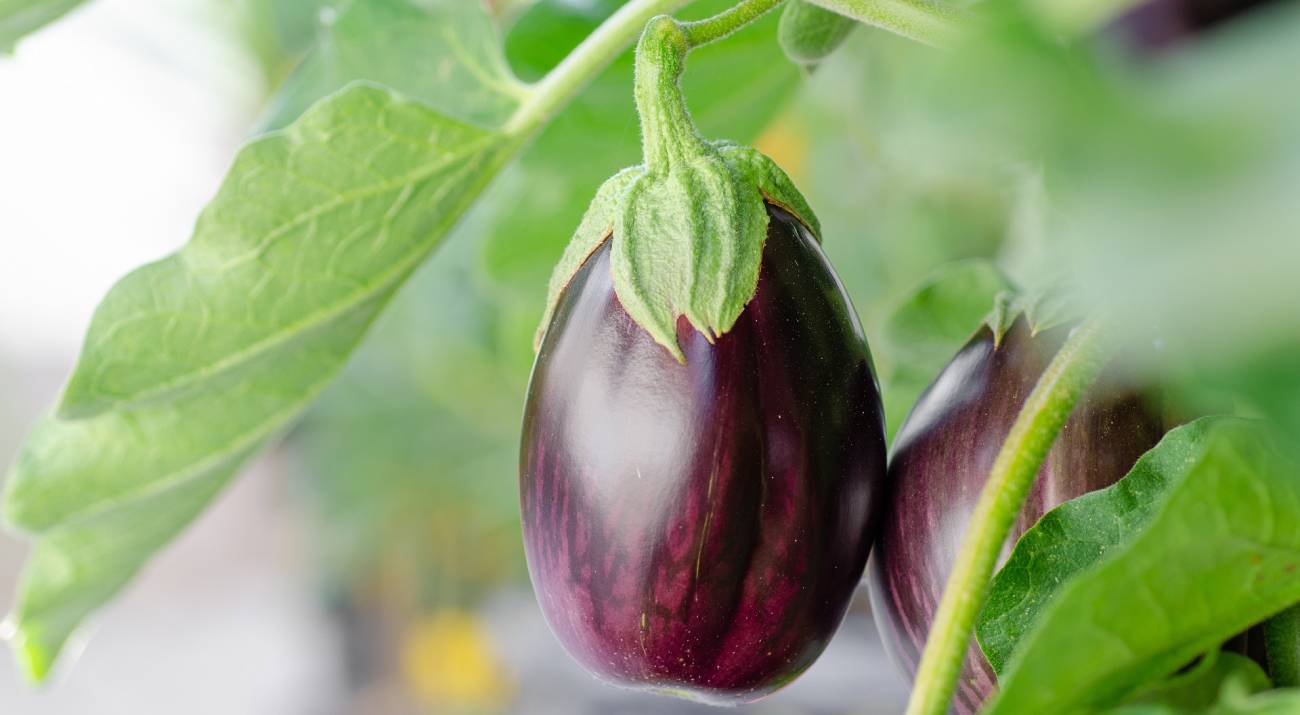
(702, 466)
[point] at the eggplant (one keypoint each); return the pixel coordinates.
(699, 528)
(941, 459)
(1157, 25)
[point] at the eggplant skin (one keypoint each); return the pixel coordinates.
(941, 459)
(699, 528)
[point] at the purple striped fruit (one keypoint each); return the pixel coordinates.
(941, 458)
(699, 528)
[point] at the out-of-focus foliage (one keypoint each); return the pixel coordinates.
(446, 54)
(1169, 177)
(928, 327)
(20, 17)
(193, 362)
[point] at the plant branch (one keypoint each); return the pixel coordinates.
(702, 32)
(1045, 412)
(588, 59)
(927, 21)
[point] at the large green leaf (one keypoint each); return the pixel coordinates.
(1077, 534)
(192, 362)
(443, 52)
(20, 17)
(1219, 553)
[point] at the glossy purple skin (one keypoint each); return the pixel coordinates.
(941, 458)
(699, 529)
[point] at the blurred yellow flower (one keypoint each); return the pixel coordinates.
(448, 664)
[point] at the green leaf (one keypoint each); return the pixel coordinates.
(928, 327)
(194, 361)
(1201, 686)
(1237, 698)
(444, 52)
(310, 224)
(21, 17)
(1079, 533)
(1219, 553)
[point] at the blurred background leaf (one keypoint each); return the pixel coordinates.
(20, 17)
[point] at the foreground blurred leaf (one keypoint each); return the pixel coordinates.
(1170, 177)
(20, 17)
(1219, 553)
(192, 362)
(444, 52)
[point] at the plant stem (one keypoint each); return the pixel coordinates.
(927, 21)
(1282, 643)
(1045, 412)
(588, 59)
(702, 32)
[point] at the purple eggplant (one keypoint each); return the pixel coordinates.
(941, 458)
(699, 528)
(1156, 25)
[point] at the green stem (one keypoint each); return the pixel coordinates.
(588, 59)
(1045, 412)
(667, 133)
(927, 21)
(1282, 644)
(702, 32)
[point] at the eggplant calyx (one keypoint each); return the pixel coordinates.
(1042, 310)
(688, 225)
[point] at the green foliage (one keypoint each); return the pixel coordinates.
(1076, 535)
(1218, 554)
(443, 52)
(1168, 177)
(1201, 685)
(809, 34)
(1236, 698)
(21, 17)
(191, 363)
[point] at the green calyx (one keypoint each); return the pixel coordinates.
(687, 225)
(1042, 310)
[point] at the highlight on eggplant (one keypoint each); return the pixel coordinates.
(941, 458)
(699, 528)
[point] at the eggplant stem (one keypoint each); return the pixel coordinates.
(1067, 377)
(554, 91)
(711, 29)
